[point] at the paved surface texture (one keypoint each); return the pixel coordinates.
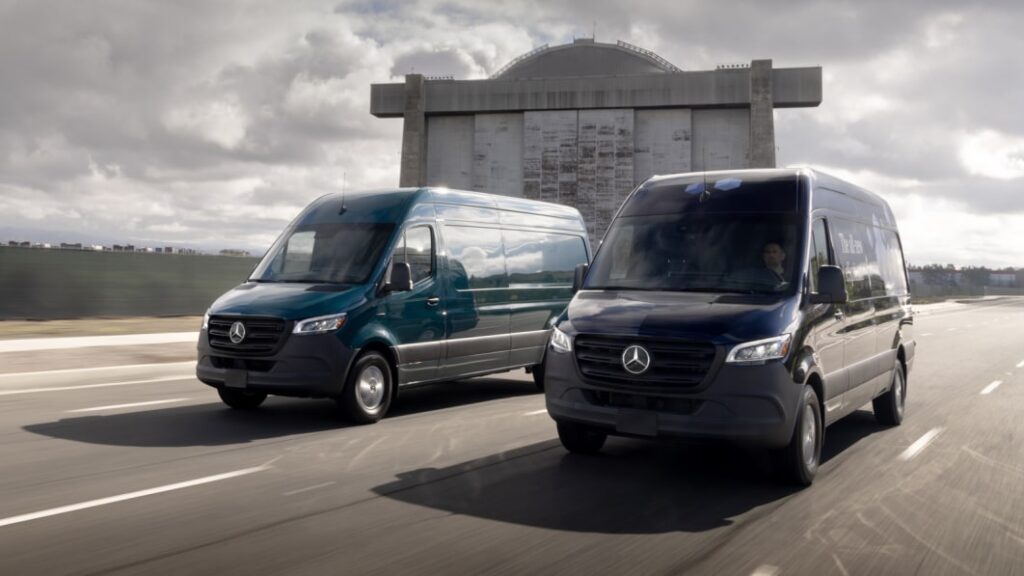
(140, 470)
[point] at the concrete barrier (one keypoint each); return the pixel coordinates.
(52, 284)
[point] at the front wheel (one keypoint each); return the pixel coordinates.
(367, 393)
(889, 406)
(580, 438)
(799, 460)
(241, 399)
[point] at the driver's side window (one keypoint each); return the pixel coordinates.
(417, 249)
(819, 252)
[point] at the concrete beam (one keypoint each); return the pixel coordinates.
(762, 115)
(414, 133)
(728, 88)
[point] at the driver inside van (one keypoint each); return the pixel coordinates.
(772, 272)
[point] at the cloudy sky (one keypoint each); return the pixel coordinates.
(211, 124)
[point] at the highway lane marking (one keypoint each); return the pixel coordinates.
(766, 570)
(88, 386)
(991, 387)
(1020, 364)
(311, 488)
(96, 369)
(536, 412)
(129, 496)
(926, 334)
(920, 444)
(33, 344)
(132, 405)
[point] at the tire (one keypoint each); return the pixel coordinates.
(580, 438)
(241, 399)
(889, 407)
(367, 394)
(538, 376)
(800, 459)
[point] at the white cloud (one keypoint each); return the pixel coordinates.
(222, 123)
(991, 154)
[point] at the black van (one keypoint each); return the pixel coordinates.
(755, 305)
(368, 293)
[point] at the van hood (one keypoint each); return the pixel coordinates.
(720, 318)
(288, 300)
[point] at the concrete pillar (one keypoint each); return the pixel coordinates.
(762, 123)
(414, 134)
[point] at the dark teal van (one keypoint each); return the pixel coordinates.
(365, 294)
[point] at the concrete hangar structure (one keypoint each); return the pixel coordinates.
(582, 124)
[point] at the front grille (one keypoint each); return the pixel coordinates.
(675, 364)
(263, 336)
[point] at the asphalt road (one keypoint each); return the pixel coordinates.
(140, 470)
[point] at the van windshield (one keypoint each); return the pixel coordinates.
(700, 252)
(325, 253)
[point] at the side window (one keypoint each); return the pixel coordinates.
(819, 251)
(542, 258)
(891, 262)
(416, 248)
(298, 254)
(476, 257)
(855, 251)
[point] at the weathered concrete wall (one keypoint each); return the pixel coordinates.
(52, 284)
(704, 88)
(414, 133)
(605, 168)
(721, 139)
(450, 151)
(664, 140)
(550, 156)
(498, 154)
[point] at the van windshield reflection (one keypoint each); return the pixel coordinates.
(325, 253)
(718, 253)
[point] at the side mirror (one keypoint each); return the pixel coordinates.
(578, 277)
(831, 286)
(400, 278)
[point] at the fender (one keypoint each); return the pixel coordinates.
(805, 365)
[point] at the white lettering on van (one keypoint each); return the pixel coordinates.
(850, 245)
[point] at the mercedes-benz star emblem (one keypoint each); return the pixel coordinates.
(636, 360)
(237, 333)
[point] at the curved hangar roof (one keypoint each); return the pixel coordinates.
(584, 57)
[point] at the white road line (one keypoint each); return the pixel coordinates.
(1021, 364)
(128, 496)
(32, 344)
(766, 570)
(926, 334)
(536, 412)
(133, 405)
(310, 488)
(97, 369)
(87, 386)
(991, 387)
(951, 330)
(920, 444)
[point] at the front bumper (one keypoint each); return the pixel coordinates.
(747, 404)
(306, 366)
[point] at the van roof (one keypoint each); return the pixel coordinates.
(818, 177)
(439, 195)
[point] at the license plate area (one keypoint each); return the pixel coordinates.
(236, 378)
(637, 422)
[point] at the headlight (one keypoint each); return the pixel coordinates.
(560, 341)
(206, 320)
(760, 350)
(320, 324)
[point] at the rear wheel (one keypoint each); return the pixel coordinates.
(889, 406)
(580, 438)
(799, 460)
(241, 399)
(368, 391)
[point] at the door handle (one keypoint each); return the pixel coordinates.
(433, 301)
